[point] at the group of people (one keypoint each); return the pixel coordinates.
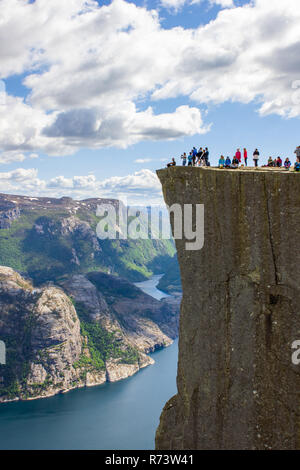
(277, 162)
(195, 158)
(201, 158)
(237, 159)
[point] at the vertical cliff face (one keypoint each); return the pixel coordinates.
(240, 313)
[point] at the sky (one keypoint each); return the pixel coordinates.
(97, 95)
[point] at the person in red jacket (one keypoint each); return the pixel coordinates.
(238, 155)
(246, 157)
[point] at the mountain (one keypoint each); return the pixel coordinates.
(69, 313)
(46, 238)
(85, 331)
(170, 282)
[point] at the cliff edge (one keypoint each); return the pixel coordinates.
(240, 313)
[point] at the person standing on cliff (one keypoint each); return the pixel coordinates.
(200, 154)
(183, 157)
(297, 152)
(194, 153)
(256, 157)
(206, 156)
(238, 155)
(246, 157)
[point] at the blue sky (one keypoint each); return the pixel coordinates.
(100, 95)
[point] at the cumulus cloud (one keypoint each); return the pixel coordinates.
(123, 127)
(15, 156)
(21, 181)
(143, 160)
(88, 67)
(176, 5)
(141, 187)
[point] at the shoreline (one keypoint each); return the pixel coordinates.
(148, 362)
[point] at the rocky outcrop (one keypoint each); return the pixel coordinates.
(9, 211)
(237, 385)
(170, 282)
(86, 332)
(41, 331)
(148, 324)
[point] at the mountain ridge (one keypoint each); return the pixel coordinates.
(78, 333)
(47, 237)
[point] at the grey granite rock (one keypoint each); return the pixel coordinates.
(240, 313)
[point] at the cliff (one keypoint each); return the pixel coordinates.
(86, 331)
(170, 281)
(237, 385)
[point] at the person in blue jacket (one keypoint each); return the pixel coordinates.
(222, 162)
(227, 162)
(297, 165)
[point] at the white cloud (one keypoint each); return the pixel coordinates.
(143, 160)
(89, 66)
(176, 5)
(13, 156)
(142, 187)
(221, 3)
(21, 181)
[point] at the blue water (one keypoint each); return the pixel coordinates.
(122, 415)
(149, 287)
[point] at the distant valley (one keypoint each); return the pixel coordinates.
(69, 313)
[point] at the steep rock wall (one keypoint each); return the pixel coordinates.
(240, 313)
(81, 333)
